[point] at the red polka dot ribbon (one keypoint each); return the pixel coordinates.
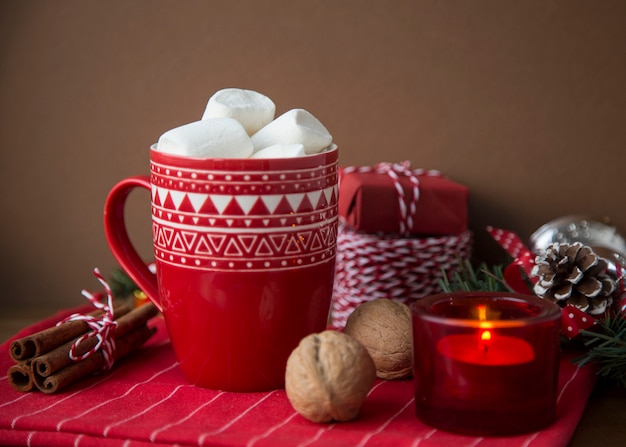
(394, 171)
(519, 277)
(523, 259)
(101, 327)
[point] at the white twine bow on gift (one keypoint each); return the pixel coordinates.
(394, 171)
(101, 327)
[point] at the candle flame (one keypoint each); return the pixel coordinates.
(482, 312)
(485, 315)
(485, 338)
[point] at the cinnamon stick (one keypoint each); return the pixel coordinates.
(94, 363)
(34, 345)
(20, 377)
(59, 358)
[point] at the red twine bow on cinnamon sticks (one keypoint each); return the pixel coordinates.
(394, 171)
(101, 327)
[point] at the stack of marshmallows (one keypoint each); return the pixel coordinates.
(240, 123)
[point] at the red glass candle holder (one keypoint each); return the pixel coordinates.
(486, 363)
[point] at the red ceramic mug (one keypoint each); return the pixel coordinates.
(245, 259)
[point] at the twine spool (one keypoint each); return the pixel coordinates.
(371, 266)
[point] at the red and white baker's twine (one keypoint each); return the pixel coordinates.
(394, 171)
(371, 266)
(101, 328)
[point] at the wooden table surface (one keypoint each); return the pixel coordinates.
(603, 423)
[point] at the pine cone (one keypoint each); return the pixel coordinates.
(574, 274)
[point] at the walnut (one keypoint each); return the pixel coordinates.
(384, 327)
(328, 377)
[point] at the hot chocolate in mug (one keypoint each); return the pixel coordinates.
(245, 260)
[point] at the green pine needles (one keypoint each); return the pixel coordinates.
(121, 285)
(607, 349)
(468, 279)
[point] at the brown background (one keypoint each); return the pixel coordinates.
(523, 102)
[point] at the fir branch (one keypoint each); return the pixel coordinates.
(607, 348)
(468, 279)
(121, 284)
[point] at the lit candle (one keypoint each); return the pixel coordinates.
(483, 350)
(486, 363)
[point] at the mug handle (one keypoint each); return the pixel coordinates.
(119, 242)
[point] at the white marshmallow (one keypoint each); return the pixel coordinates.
(281, 151)
(210, 138)
(296, 126)
(252, 109)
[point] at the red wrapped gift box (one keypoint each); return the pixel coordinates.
(368, 200)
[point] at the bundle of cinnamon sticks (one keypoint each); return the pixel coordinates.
(43, 359)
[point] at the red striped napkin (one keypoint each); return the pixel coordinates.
(144, 400)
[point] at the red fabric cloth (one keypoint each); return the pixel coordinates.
(368, 202)
(144, 400)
